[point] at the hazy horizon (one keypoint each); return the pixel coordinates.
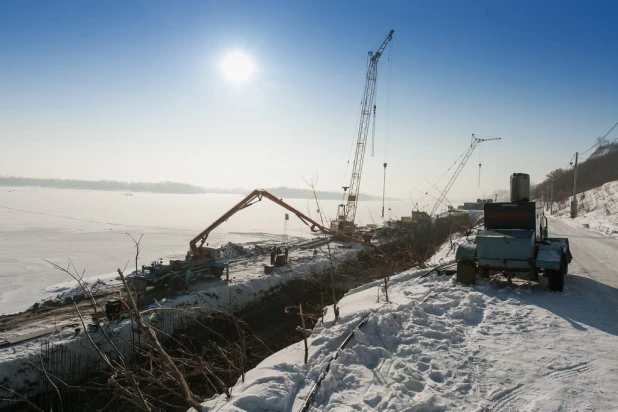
(169, 187)
(155, 91)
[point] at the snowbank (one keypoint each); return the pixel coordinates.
(597, 210)
(438, 345)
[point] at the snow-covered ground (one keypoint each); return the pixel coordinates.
(439, 346)
(597, 209)
(247, 284)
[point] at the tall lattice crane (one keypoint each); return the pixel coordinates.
(346, 212)
(475, 141)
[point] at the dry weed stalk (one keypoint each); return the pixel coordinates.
(155, 378)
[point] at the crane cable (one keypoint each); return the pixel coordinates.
(440, 178)
(375, 99)
(373, 131)
(480, 162)
(497, 170)
(354, 138)
(387, 116)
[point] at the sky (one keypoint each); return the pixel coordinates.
(135, 91)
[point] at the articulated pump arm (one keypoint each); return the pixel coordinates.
(251, 199)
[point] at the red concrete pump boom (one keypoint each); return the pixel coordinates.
(251, 199)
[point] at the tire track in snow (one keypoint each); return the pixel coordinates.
(506, 398)
(574, 375)
(571, 370)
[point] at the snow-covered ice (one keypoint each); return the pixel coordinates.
(89, 228)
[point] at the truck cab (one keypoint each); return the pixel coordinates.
(212, 254)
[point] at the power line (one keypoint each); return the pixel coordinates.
(570, 161)
(598, 143)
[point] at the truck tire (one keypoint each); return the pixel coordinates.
(556, 277)
(466, 272)
(218, 272)
(178, 283)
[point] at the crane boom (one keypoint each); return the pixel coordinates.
(250, 200)
(473, 144)
(347, 212)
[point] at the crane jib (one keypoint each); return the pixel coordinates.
(466, 156)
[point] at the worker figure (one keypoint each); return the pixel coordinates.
(273, 254)
(286, 255)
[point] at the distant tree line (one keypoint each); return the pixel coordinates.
(601, 167)
(163, 187)
(160, 187)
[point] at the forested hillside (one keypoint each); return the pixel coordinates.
(601, 167)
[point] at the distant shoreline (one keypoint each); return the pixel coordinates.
(165, 188)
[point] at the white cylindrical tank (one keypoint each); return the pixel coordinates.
(520, 187)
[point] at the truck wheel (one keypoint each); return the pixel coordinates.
(178, 283)
(466, 272)
(556, 278)
(218, 272)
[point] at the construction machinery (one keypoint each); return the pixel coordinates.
(346, 212)
(197, 244)
(474, 142)
(203, 260)
(515, 242)
(212, 262)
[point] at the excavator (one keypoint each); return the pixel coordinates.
(202, 260)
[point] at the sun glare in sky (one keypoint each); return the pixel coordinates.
(237, 67)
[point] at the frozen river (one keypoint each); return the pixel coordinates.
(89, 228)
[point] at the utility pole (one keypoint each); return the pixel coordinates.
(574, 201)
(551, 198)
(545, 197)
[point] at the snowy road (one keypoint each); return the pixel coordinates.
(558, 349)
(594, 255)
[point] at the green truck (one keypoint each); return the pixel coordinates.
(515, 242)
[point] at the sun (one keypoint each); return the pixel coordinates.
(237, 67)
